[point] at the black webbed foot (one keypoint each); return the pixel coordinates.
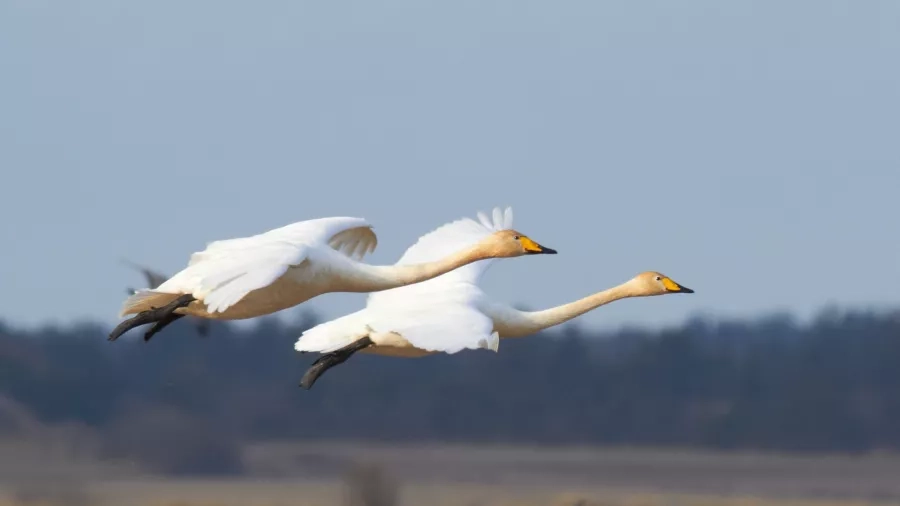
(329, 360)
(161, 324)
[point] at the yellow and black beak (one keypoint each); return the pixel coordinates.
(533, 248)
(673, 287)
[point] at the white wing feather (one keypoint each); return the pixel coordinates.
(227, 270)
(331, 335)
(444, 241)
(448, 324)
(347, 235)
(152, 277)
(440, 314)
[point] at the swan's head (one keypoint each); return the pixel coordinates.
(656, 283)
(512, 243)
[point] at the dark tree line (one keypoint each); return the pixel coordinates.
(830, 385)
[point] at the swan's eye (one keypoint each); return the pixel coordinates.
(516, 237)
(658, 278)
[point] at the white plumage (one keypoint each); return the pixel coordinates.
(226, 271)
(451, 313)
(253, 276)
(154, 279)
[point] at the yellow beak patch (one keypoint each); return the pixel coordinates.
(530, 245)
(671, 285)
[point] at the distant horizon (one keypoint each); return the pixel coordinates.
(293, 315)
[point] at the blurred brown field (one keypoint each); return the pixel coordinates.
(204, 493)
(346, 474)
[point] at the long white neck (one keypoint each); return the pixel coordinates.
(523, 323)
(374, 278)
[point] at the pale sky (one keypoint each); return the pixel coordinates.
(749, 149)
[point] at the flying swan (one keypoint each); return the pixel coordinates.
(246, 277)
(450, 313)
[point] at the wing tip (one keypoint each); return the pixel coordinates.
(501, 218)
(491, 343)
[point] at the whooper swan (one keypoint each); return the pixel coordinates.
(154, 279)
(253, 276)
(450, 313)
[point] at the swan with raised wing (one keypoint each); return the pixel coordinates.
(450, 313)
(252, 276)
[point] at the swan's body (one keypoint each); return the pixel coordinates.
(451, 313)
(258, 275)
(252, 276)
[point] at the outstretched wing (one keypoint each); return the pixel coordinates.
(441, 314)
(223, 280)
(433, 326)
(153, 278)
(226, 271)
(449, 325)
(351, 236)
(333, 334)
(444, 241)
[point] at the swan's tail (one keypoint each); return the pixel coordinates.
(142, 300)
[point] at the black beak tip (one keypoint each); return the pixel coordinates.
(548, 251)
(685, 289)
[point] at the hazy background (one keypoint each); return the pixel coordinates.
(747, 148)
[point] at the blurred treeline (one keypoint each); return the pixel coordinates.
(829, 385)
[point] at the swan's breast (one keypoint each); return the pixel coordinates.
(392, 344)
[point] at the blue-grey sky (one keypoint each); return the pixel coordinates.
(749, 149)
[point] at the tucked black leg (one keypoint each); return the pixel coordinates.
(329, 360)
(161, 324)
(151, 316)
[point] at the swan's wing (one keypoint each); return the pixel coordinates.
(226, 271)
(447, 327)
(441, 314)
(154, 278)
(331, 335)
(222, 280)
(352, 236)
(355, 242)
(439, 243)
